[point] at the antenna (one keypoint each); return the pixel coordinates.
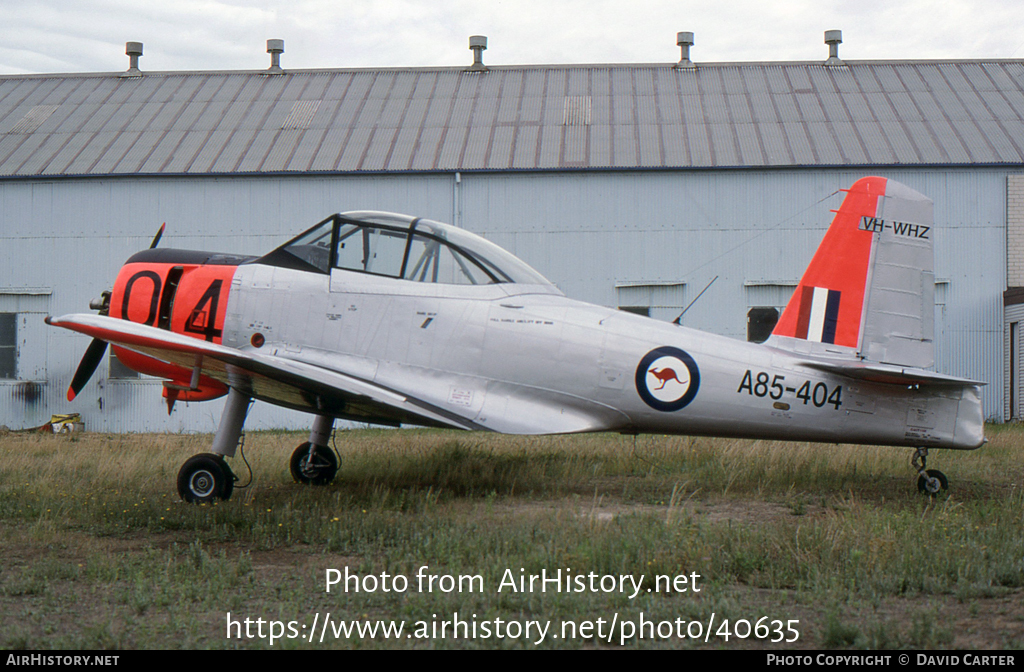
(679, 320)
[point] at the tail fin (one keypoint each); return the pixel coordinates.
(870, 288)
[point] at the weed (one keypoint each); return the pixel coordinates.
(838, 633)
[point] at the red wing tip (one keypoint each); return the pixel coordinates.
(71, 394)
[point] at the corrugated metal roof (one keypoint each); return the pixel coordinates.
(523, 118)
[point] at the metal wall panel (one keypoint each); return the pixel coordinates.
(1012, 351)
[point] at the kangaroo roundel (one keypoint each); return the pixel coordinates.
(667, 379)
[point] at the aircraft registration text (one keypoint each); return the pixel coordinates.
(877, 225)
(762, 384)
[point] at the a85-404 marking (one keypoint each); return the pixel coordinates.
(762, 384)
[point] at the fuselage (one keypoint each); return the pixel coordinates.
(523, 358)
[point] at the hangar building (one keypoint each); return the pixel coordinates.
(627, 185)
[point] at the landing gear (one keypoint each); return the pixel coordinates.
(314, 465)
(932, 482)
(313, 462)
(206, 477)
(929, 481)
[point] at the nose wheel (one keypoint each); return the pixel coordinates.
(314, 465)
(205, 478)
(929, 481)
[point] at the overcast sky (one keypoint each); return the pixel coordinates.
(89, 35)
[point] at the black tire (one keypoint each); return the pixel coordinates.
(923, 484)
(204, 478)
(318, 468)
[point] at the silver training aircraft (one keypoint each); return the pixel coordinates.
(390, 319)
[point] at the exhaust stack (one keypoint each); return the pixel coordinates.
(833, 38)
(133, 50)
(685, 41)
(478, 44)
(275, 48)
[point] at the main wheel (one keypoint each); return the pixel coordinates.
(318, 466)
(204, 478)
(933, 484)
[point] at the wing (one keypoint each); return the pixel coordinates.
(276, 379)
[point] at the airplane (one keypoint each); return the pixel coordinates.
(391, 319)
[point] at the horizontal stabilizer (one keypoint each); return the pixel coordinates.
(890, 374)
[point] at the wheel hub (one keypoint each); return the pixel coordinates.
(202, 484)
(311, 466)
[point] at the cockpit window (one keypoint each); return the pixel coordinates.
(504, 266)
(314, 246)
(370, 249)
(400, 246)
(430, 260)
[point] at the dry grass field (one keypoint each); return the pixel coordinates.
(98, 552)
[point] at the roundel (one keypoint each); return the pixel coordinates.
(667, 379)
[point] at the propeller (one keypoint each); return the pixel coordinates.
(156, 238)
(94, 353)
(90, 360)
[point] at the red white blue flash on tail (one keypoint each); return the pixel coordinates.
(819, 314)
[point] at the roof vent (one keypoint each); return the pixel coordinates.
(685, 41)
(477, 44)
(275, 48)
(833, 38)
(133, 51)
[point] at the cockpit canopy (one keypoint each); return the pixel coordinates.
(400, 246)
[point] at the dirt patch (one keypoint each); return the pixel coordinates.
(605, 510)
(274, 566)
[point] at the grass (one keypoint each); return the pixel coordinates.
(99, 552)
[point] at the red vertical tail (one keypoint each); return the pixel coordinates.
(870, 286)
(829, 302)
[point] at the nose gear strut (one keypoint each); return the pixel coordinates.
(207, 476)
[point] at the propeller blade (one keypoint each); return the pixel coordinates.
(156, 239)
(90, 360)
